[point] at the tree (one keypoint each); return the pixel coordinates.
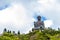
(5, 30)
(9, 31)
(18, 32)
(13, 32)
(58, 29)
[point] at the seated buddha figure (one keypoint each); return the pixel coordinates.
(39, 25)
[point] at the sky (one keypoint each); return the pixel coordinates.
(20, 14)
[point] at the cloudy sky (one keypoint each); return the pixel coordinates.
(20, 14)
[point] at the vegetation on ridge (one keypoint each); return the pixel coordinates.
(34, 35)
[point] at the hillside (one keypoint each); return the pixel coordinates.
(34, 35)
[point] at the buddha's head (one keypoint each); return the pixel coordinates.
(39, 18)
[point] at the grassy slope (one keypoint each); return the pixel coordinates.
(35, 35)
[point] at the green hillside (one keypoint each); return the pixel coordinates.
(34, 35)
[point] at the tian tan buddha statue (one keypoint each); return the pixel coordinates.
(39, 25)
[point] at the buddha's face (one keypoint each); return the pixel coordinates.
(39, 18)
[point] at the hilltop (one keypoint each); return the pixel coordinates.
(34, 35)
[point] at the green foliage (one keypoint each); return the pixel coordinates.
(34, 35)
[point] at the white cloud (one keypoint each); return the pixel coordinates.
(48, 23)
(51, 10)
(15, 15)
(21, 13)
